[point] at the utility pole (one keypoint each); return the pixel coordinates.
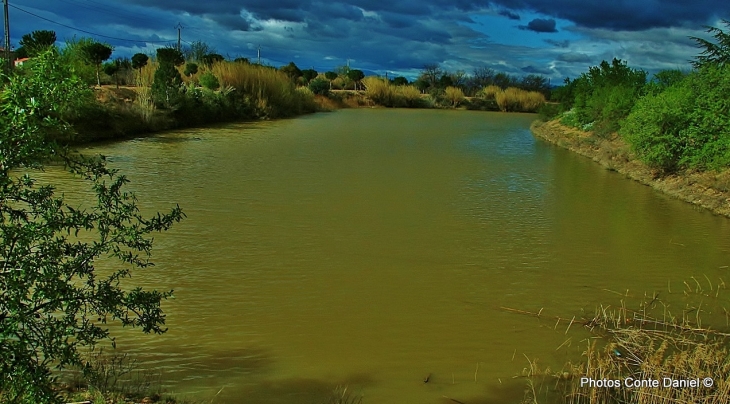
(7, 36)
(179, 27)
(258, 54)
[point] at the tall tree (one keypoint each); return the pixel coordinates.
(714, 53)
(167, 81)
(309, 74)
(95, 53)
(37, 41)
(139, 60)
(170, 56)
(356, 76)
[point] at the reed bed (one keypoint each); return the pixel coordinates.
(383, 93)
(271, 92)
(513, 99)
(660, 353)
(454, 95)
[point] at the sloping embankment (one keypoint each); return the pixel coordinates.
(710, 190)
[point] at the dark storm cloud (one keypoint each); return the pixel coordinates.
(509, 14)
(540, 25)
(626, 15)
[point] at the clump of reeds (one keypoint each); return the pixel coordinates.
(386, 94)
(489, 92)
(454, 95)
(649, 344)
(514, 99)
(271, 91)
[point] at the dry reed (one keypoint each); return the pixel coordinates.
(271, 92)
(384, 93)
(650, 346)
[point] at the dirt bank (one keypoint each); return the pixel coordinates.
(710, 189)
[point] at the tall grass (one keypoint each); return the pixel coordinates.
(454, 95)
(515, 99)
(271, 92)
(383, 93)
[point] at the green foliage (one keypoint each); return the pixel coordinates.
(95, 53)
(190, 69)
(209, 81)
(211, 58)
(400, 81)
(309, 74)
(72, 56)
(111, 69)
(356, 76)
(717, 54)
(656, 127)
(320, 86)
(170, 56)
(606, 94)
(139, 60)
(330, 75)
(291, 70)
(548, 111)
(53, 299)
(37, 42)
(685, 126)
(166, 86)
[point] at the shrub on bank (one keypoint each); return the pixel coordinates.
(685, 126)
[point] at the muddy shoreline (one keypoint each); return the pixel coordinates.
(709, 189)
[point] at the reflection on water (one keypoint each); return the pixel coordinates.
(372, 248)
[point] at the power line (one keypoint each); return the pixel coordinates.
(86, 32)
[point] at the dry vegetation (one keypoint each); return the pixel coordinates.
(513, 99)
(656, 341)
(384, 93)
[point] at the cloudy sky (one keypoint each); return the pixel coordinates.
(556, 38)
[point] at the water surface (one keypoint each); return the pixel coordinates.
(371, 248)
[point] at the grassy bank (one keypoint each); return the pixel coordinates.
(707, 189)
(238, 92)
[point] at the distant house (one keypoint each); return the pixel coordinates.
(19, 62)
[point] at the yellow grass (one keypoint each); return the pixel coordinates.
(515, 99)
(454, 94)
(489, 92)
(383, 93)
(270, 91)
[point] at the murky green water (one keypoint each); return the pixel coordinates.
(371, 248)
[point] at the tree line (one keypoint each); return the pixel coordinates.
(676, 120)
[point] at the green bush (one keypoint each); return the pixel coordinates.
(548, 111)
(656, 128)
(209, 81)
(606, 94)
(320, 86)
(685, 126)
